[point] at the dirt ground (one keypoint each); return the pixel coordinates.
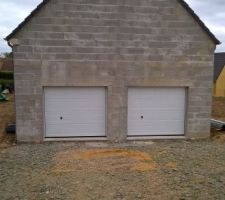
(7, 116)
(159, 171)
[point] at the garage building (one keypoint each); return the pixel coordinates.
(112, 70)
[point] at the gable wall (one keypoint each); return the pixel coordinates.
(117, 44)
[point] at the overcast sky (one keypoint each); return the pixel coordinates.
(212, 12)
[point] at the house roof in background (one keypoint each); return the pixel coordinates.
(219, 64)
(182, 2)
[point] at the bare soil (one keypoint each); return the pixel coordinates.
(7, 116)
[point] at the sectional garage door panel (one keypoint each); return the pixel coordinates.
(156, 111)
(74, 112)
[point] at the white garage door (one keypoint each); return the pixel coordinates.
(74, 112)
(156, 111)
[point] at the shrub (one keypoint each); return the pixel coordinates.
(7, 84)
(6, 75)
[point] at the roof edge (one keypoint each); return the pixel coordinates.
(26, 20)
(199, 21)
(182, 2)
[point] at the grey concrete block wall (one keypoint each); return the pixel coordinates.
(116, 44)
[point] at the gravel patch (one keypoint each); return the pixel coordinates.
(175, 170)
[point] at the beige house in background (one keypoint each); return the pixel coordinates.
(219, 75)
